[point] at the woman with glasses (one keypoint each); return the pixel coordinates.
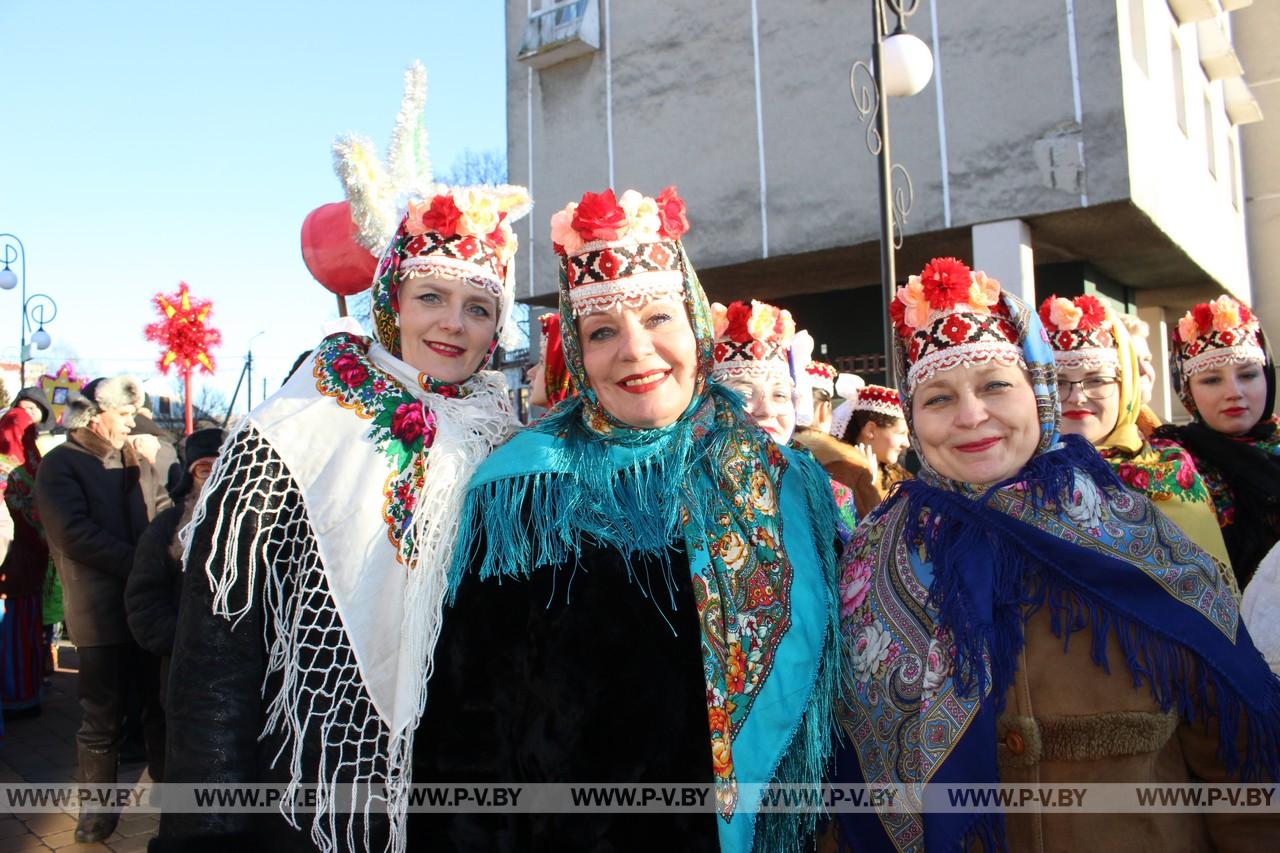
(1100, 391)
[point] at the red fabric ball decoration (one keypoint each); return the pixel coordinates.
(331, 253)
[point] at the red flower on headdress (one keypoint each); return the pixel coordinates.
(1245, 314)
(671, 211)
(497, 238)
(739, 321)
(946, 282)
(1094, 312)
(1203, 316)
(898, 314)
(1045, 318)
(599, 217)
(443, 215)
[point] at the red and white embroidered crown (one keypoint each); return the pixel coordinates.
(1216, 334)
(463, 234)
(877, 398)
(948, 316)
(822, 377)
(620, 251)
(751, 340)
(1080, 332)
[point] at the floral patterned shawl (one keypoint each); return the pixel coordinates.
(758, 525)
(934, 590)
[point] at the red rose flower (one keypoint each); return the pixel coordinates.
(497, 237)
(1184, 472)
(671, 211)
(898, 314)
(738, 316)
(1134, 476)
(443, 215)
(1044, 311)
(599, 217)
(408, 423)
(350, 370)
(1203, 317)
(946, 282)
(1094, 312)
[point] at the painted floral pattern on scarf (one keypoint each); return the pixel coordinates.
(401, 427)
(1166, 474)
(742, 595)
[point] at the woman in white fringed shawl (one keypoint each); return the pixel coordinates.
(316, 562)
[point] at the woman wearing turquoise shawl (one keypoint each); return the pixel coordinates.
(644, 589)
(1016, 615)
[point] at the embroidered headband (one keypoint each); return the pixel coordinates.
(752, 340)
(879, 399)
(822, 377)
(462, 234)
(950, 316)
(1080, 332)
(1216, 334)
(620, 251)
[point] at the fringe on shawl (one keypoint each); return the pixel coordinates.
(809, 750)
(1176, 677)
(634, 509)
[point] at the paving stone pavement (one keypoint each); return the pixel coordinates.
(43, 749)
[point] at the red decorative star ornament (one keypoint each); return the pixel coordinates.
(186, 337)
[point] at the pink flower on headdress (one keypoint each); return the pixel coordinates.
(562, 231)
(1187, 328)
(914, 303)
(719, 319)
(1064, 314)
(984, 291)
(1226, 313)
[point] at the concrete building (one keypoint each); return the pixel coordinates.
(1062, 146)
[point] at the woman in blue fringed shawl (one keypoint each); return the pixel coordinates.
(1016, 615)
(645, 581)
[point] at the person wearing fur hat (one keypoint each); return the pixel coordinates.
(315, 574)
(95, 496)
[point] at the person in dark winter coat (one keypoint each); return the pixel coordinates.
(156, 444)
(96, 496)
(154, 589)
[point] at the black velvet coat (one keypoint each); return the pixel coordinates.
(578, 674)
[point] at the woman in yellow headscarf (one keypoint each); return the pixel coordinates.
(1100, 391)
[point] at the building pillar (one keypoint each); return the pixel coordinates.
(1162, 396)
(1003, 251)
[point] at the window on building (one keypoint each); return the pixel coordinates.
(1210, 150)
(1179, 96)
(1138, 32)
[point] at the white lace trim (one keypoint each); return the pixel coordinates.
(451, 268)
(1089, 358)
(632, 291)
(1223, 357)
(963, 354)
(736, 369)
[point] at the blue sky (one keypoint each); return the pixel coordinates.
(143, 143)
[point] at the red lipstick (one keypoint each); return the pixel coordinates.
(642, 383)
(979, 446)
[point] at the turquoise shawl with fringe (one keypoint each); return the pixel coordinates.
(758, 524)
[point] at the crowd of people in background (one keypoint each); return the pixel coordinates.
(710, 559)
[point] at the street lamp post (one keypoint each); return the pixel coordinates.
(901, 66)
(36, 310)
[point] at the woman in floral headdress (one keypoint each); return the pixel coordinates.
(318, 556)
(24, 564)
(1100, 393)
(644, 588)
(1224, 374)
(983, 603)
(549, 380)
(871, 435)
(759, 355)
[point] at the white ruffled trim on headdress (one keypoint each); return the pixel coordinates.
(1087, 358)
(632, 291)
(959, 355)
(1223, 357)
